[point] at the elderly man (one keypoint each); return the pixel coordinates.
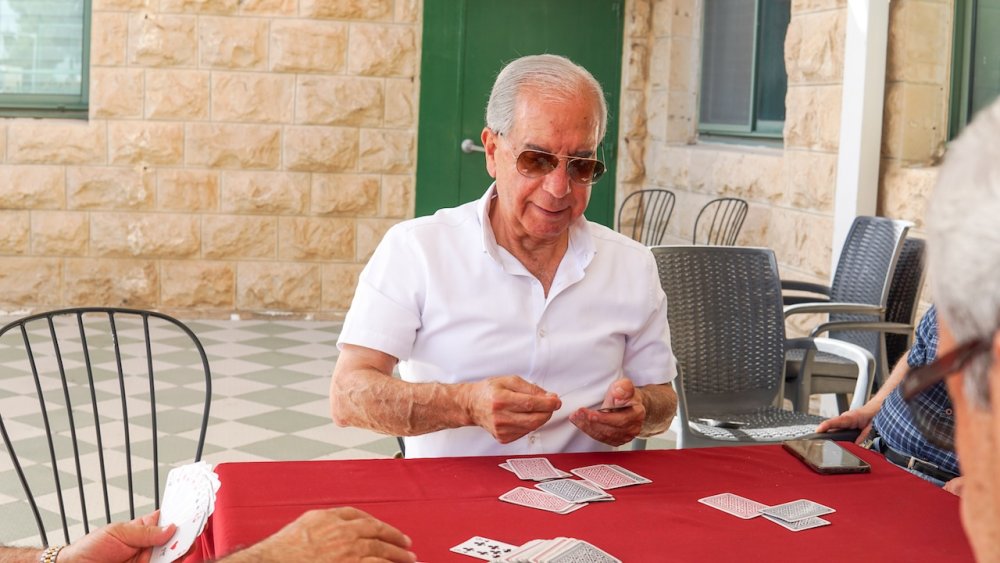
(964, 265)
(519, 326)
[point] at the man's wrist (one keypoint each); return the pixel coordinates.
(50, 554)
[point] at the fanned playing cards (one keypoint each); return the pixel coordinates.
(188, 501)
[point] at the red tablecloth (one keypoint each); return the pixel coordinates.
(887, 515)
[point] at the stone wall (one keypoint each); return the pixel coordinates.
(240, 156)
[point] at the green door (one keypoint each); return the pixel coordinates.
(465, 44)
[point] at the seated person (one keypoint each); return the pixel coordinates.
(888, 427)
(513, 318)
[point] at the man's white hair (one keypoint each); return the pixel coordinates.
(552, 76)
(963, 228)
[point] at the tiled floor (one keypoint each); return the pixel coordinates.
(269, 402)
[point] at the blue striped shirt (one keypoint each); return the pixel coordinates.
(894, 422)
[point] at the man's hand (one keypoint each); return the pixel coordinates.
(336, 534)
(619, 426)
(509, 407)
(120, 542)
(857, 418)
(955, 485)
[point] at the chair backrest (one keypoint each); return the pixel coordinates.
(901, 306)
(726, 324)
(644, 215)
(93, 387)
(864, 274)
(726, 215)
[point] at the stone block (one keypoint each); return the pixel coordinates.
(109, 38)
(756, 229)
(27, 282)
(408, 11)
(686, 20)
(15, 231)
(238, 43)
(799, 6)
(252, 97)
(59, 233)
(36, 141)
(3, 140)
(334, 100)
(814, 47)
(163, 40)
(277, 287)
(370, 233)
(339, 283)
(397, 196)
(220, 145)
(102, 187)
(345, 194)
(145, 235)
(920, 36)
(308, 46)
(802, 241)
(269, 7)
(177, 94)
(265, 192)
(99, 5)
(633, 116)
(315, 238)
(682, 118)
(631, 167)
(400, 102)
(812, 180)
(382, 50)
(915, 122)
(189, 284)
(659, 64)
(187, 190)
(663, 19)
(32, 187)
(387, 151)
(239, 237)
(904, 191)
(684, 61)
(199, 6)
(146, 142)
(756, 175)
(808, 127)
(112, 283)
(638, 18)
(347, 9)
(636, 65)
(321, 149)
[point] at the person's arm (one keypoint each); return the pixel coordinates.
(336, 534)
(651, 408)
(118, 542)
(861, 417)
(19, 554)
(364, 393)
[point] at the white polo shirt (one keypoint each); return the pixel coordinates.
(453, 306)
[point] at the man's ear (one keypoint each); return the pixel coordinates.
(489, 139)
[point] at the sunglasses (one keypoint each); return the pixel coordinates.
(924, 385)
(535, 164)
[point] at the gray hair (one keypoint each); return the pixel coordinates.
(963, 231)
(555, 77)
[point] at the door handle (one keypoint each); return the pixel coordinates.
(470, 146)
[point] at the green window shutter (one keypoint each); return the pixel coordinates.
(976, 62)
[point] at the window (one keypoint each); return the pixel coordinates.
(44, 57)
(743, 78)
(976, 66)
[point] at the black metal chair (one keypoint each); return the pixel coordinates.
(896, 333)
(99, 379)
(728, 335)
(859, 293)
(727, 215)
(644, 215)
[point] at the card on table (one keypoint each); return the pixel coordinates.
(606, 476)
(541, 500)
(484, 548)
(799, 525)
(797, 510)
(740, 507)
(583, 552)
(570, 490)
(562, 474)
(639, 478)
(533, 468)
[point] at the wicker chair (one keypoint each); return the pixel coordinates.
(97, 374)
(727, 215)
(644, 215)
(728, 335)
(859, 293)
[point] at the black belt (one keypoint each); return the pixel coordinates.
(910, 462)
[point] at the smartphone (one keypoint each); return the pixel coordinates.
(826, 456)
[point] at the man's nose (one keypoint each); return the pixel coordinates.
(557, 182)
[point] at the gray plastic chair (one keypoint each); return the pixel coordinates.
(728, 335)
(644, 215)
(859, 293)
(834, 375)
(98, 374)
(727, 215)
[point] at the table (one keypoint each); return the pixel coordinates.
(886, 515)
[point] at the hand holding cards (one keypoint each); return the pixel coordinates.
(188, 501)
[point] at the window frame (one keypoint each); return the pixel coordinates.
(57, 105)
(756, 128)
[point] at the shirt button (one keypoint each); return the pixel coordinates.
(948, 412)
(532, 439)
(541, 333)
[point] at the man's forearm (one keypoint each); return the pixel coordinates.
(19, 554)
(660, 402)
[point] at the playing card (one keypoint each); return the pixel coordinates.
(570, 490)
(533, 468)
(188, 501)
(525, 552)
(551, 548)
(736, 505)
(799, 525)
(583, 552)
(484, 548)
(562, 474)
(639, 478)
(604, 476)
(605, 496)
(533, 498)
(797, 510)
